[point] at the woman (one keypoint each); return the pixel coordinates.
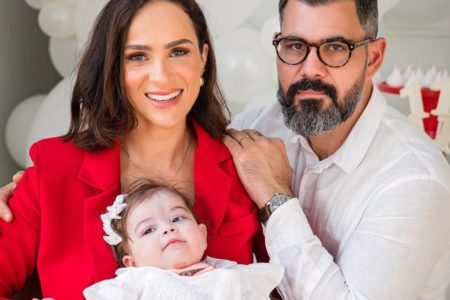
(145, 104)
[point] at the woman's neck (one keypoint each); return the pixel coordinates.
(156, 144)
(158, 153)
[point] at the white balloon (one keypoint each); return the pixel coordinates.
(265, 10)
(64, 54)
(85, 14)
(56, 20)
(243, 68)
(53, 116)
(224, 16)
(267, 97)
(36, 4)
(385, 5)
(18, 128)
(414, 12)
(68, 2)
(269, 27)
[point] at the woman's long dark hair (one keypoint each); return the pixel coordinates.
(100, 110)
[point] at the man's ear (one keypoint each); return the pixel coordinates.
(376, 50)
(128, 261)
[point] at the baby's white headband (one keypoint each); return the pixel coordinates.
(111, 237)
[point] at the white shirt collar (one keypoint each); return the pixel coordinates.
(356, 145)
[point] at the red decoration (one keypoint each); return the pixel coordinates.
(430, 100)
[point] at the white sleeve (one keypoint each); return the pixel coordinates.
(399, 240)
(259, 279)
(105, 290)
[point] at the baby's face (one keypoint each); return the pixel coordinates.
(163, 233)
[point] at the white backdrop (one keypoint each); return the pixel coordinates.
(242, 32)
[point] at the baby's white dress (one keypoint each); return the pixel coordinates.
(227, 281)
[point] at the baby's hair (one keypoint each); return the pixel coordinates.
(140, 190)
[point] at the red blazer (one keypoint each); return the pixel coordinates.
(57, 208)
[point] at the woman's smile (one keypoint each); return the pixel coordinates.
(163, 96)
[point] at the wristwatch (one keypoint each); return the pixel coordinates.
(276, 201)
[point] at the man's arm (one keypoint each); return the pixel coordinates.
(404, 232)
(402, 237)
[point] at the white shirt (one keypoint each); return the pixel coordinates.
(372, 221)
(228, 281)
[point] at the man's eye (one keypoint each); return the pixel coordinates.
(295, 46)
(335, 47)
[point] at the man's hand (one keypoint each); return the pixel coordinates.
(261, 163)
(6, 193)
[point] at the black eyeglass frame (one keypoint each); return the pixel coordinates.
(351, 46)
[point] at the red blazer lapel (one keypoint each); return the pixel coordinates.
(101, 171)
(211, 181)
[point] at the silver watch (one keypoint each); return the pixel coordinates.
(276, 201)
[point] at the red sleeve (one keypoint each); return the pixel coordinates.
(19, 239)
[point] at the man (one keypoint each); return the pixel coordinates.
(371, 213)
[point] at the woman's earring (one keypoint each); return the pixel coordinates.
(202, 81)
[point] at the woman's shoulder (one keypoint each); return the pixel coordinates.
(56, 145)
(209, 146)
(56, 141)
(55, 150)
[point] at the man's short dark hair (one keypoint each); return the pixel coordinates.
(367, 11)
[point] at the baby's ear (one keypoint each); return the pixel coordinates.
(128, 261)
(203, 228)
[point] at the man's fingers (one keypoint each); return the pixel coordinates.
(17, 177)
(231, 143)
(253, 134)
(244, 136)
(238, 135)
(5, 194)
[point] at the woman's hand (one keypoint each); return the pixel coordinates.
(6, 193)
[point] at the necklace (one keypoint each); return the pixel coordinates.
(188, 146)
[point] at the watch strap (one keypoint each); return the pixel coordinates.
(269, 208)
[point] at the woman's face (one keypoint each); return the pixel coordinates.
(162, 65)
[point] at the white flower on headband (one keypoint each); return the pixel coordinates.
(111, 237)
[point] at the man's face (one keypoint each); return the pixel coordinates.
(316, 98)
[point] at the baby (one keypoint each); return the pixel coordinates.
(160, 246)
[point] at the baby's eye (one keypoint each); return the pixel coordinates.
(149, 230)
(177, 219)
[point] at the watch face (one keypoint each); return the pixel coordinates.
(277, 201)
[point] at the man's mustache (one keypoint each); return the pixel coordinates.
(315, 85)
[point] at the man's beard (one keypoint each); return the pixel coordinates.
(310, 117)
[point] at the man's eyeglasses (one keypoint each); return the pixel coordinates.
(333, 53)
